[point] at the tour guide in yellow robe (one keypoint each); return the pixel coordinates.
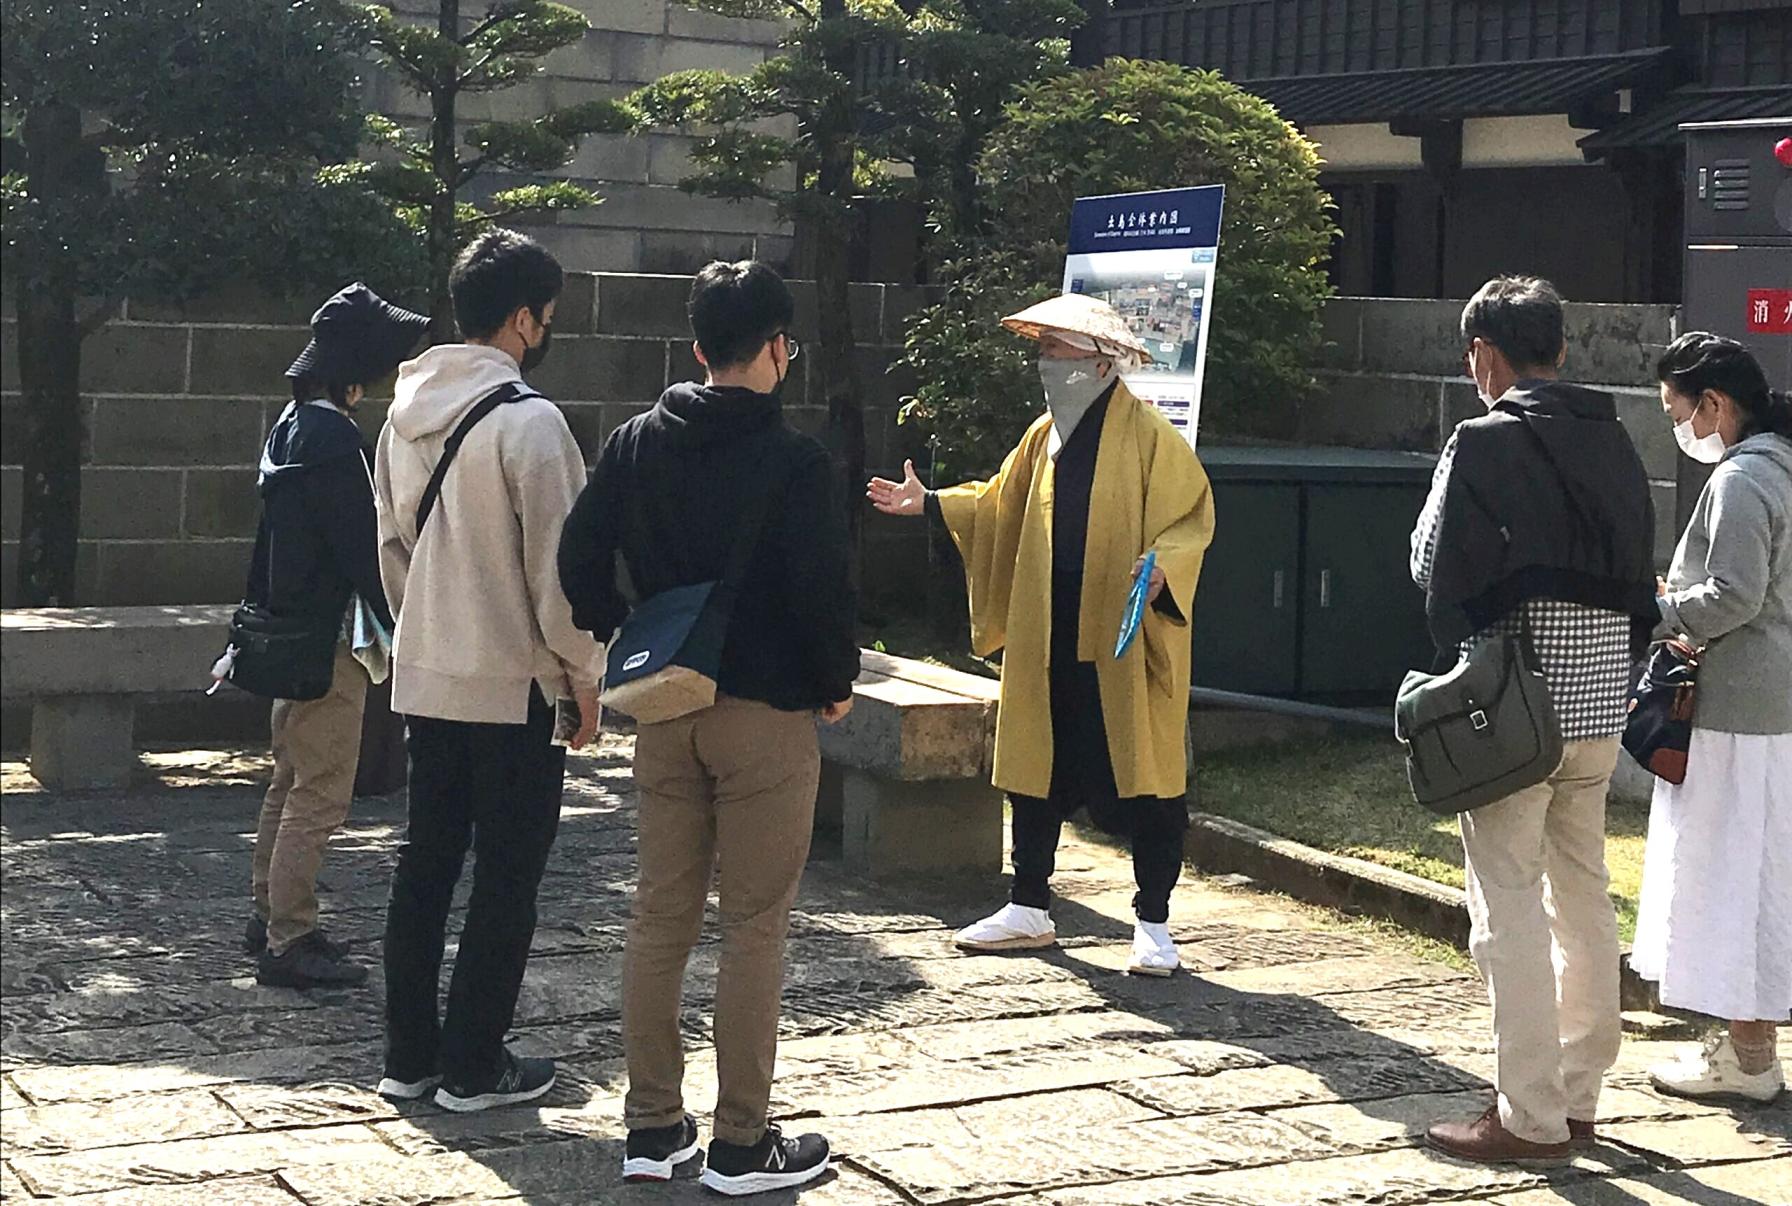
(1149, 493)
(1050, 547)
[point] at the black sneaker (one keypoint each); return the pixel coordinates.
(653, 1154)
(255, 939)
(773, 1163)
(520, 1079)
(311, 962)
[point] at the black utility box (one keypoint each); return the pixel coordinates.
(1738, 251)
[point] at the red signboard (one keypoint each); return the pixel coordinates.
(1770, 311)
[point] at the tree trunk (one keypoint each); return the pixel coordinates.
(50, 508)
(838, 359)
(49, 357)
(444, 157)
(967, 203)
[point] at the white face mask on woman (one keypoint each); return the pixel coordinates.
(1707, 450)
(1071, 388)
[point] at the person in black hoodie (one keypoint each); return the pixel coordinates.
(733, 786)
(1539, 522)
(316, 559)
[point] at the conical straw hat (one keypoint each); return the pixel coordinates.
(1077, 314)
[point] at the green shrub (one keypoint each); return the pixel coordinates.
(1128, 126)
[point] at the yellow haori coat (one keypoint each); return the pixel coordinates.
(1150, 492)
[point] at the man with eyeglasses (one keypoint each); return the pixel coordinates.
(1539, 524)
(712, 473)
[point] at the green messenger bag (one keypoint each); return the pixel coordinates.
(1482, 731)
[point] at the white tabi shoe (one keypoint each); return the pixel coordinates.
(1153, 950)
(1715, 1072)
(1011, 928)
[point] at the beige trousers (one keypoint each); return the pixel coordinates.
(1545, 936)
(729, 790)
(317, 745)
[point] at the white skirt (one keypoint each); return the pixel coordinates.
(1714, 926)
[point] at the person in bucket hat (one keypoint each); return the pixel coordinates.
(316, 560)
(1051, 546)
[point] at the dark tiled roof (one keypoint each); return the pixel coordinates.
(1659, 124)
(1511, 89)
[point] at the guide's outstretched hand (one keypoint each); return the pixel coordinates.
(907, 497)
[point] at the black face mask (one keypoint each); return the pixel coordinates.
(532, 357)
(777, 393)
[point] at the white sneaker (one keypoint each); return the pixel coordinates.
(1716, 1072)
(1153, 950)
(394, 1089)
(1010, 928)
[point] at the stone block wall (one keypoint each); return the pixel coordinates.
(646, 224)
(177, 402)
(179, 398)
(1391, 376)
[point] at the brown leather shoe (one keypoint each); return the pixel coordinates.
(1485, 1141)
(1581, 1134)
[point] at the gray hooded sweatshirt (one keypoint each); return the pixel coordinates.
(1730, 590)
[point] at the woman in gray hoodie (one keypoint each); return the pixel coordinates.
(1714, 927)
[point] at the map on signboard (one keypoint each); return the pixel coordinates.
(1152, 257)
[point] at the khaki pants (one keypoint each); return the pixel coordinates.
(730, 789)
(317, 745)
(1545, 936)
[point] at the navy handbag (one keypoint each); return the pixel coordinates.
(1658, 733)
(664, 661)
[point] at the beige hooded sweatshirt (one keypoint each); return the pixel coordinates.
(480, 612)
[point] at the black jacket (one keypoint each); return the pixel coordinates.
(1546, 499)
(318, 542)
(669, 493)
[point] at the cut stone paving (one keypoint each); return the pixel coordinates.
(1295, 1063)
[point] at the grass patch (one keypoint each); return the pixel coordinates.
(1348, 795)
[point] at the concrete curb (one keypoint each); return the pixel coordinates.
(1355, 886)
(1350, 885)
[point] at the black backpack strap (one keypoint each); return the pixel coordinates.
(510, 391)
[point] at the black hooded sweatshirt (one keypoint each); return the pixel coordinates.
(318, 542)
(1546, 499)
(670, 491)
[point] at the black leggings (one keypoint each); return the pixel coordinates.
(1156, 827)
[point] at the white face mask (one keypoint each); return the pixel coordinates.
(1707, 450)
(1071, 388)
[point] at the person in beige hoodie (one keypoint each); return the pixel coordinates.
(485, 648)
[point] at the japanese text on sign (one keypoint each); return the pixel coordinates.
(1770, 311)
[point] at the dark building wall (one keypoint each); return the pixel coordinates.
(1264, 39)
(1745, 49)
(1565, 223)
(1609, 231)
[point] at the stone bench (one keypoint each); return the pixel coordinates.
(905, 777)
(81, 669)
